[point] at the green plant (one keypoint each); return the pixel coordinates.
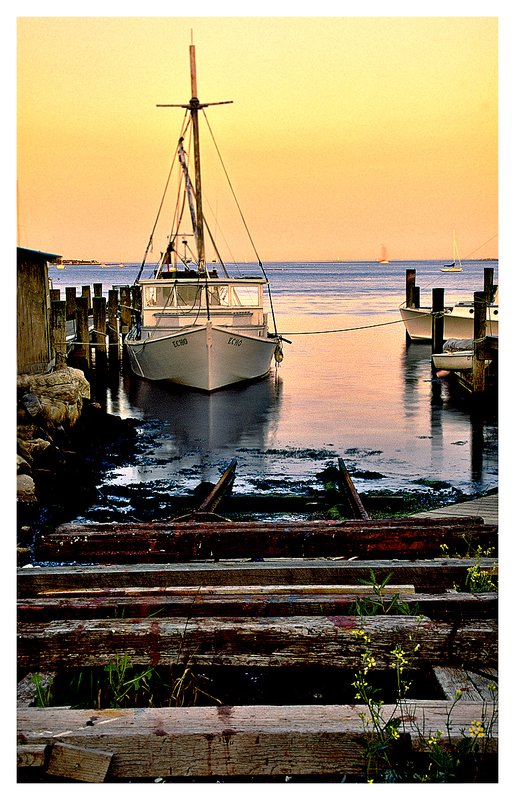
(384, 742)
(381, 602)
(479, 580)
(465, 761)
(386, 745)
(44, 690)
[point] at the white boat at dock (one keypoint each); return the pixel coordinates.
(457, 356)
(198, 328)
(458, 321)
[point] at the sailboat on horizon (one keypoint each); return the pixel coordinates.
(383, 257)
(453, 267)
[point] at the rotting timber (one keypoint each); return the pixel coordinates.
(220, 597)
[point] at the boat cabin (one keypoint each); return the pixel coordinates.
(181, 302)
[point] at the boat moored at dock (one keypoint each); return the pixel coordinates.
(198, 328)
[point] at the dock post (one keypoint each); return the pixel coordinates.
(58, 331)
(55, 295)
(99, 332)
(136, 298)
(488, 284)
(97, 290)
(478, 361)
(82, 351)
(113, 326)
(412, 294)
(125, 310)
(86, 292)
(411, 276)
(437, 321)
(70, 301)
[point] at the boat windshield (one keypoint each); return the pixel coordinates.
(189, 295)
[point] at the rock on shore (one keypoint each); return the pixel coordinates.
(61, 439)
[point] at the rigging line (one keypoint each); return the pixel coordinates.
(244, 222)
(343, 330)
(184, 128)
(480, 246)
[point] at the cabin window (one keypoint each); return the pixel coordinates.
(246, 296)
(188, 294)
(160, 296)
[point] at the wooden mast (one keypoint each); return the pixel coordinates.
(194, 107)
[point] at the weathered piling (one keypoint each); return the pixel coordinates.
(100, 332)
(411, 276)
(125, 310)
(58, 331)
(489, 287)
(478, 361)
(82, 350)
(86, 292)
(113, 331)
(437, 321)
(70, 293)
(97, 290)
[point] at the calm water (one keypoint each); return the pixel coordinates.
(361, 394)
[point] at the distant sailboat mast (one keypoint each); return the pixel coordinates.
(383, 258)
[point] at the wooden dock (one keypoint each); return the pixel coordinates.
(486, 507)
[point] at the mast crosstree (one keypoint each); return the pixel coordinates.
(193, 107)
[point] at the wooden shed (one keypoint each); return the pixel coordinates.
(33, 307)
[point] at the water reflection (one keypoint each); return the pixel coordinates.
(209, 422)
(455, 421)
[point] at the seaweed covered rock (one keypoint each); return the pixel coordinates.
(63, 441)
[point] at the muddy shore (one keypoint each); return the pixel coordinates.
(72, 481)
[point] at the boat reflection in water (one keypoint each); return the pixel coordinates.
(238, 416)
(452, 423)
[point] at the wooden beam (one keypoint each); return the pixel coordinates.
(248, 642)
(242, 601)
(185, 541)
(78, 763)
(221, 488)
(472, 686)
(239, 740)
(31, 755)
(348, 490)
(436, 574)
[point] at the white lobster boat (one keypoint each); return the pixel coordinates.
(197, 328)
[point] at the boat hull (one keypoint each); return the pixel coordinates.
(455, 361)
(205, 357)
(458, 322)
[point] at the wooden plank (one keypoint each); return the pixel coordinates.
(238, 740)
(425, 575)
(474, 686)
(222, 487)
(244, 641)
(31, 755)
(78, 763)
(178, 541)
(348, 490)
(240, 601)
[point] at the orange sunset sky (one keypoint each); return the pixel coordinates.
(345, 133)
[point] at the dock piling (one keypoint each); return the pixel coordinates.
(437, 321)
(82, 350)
(58, 331)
